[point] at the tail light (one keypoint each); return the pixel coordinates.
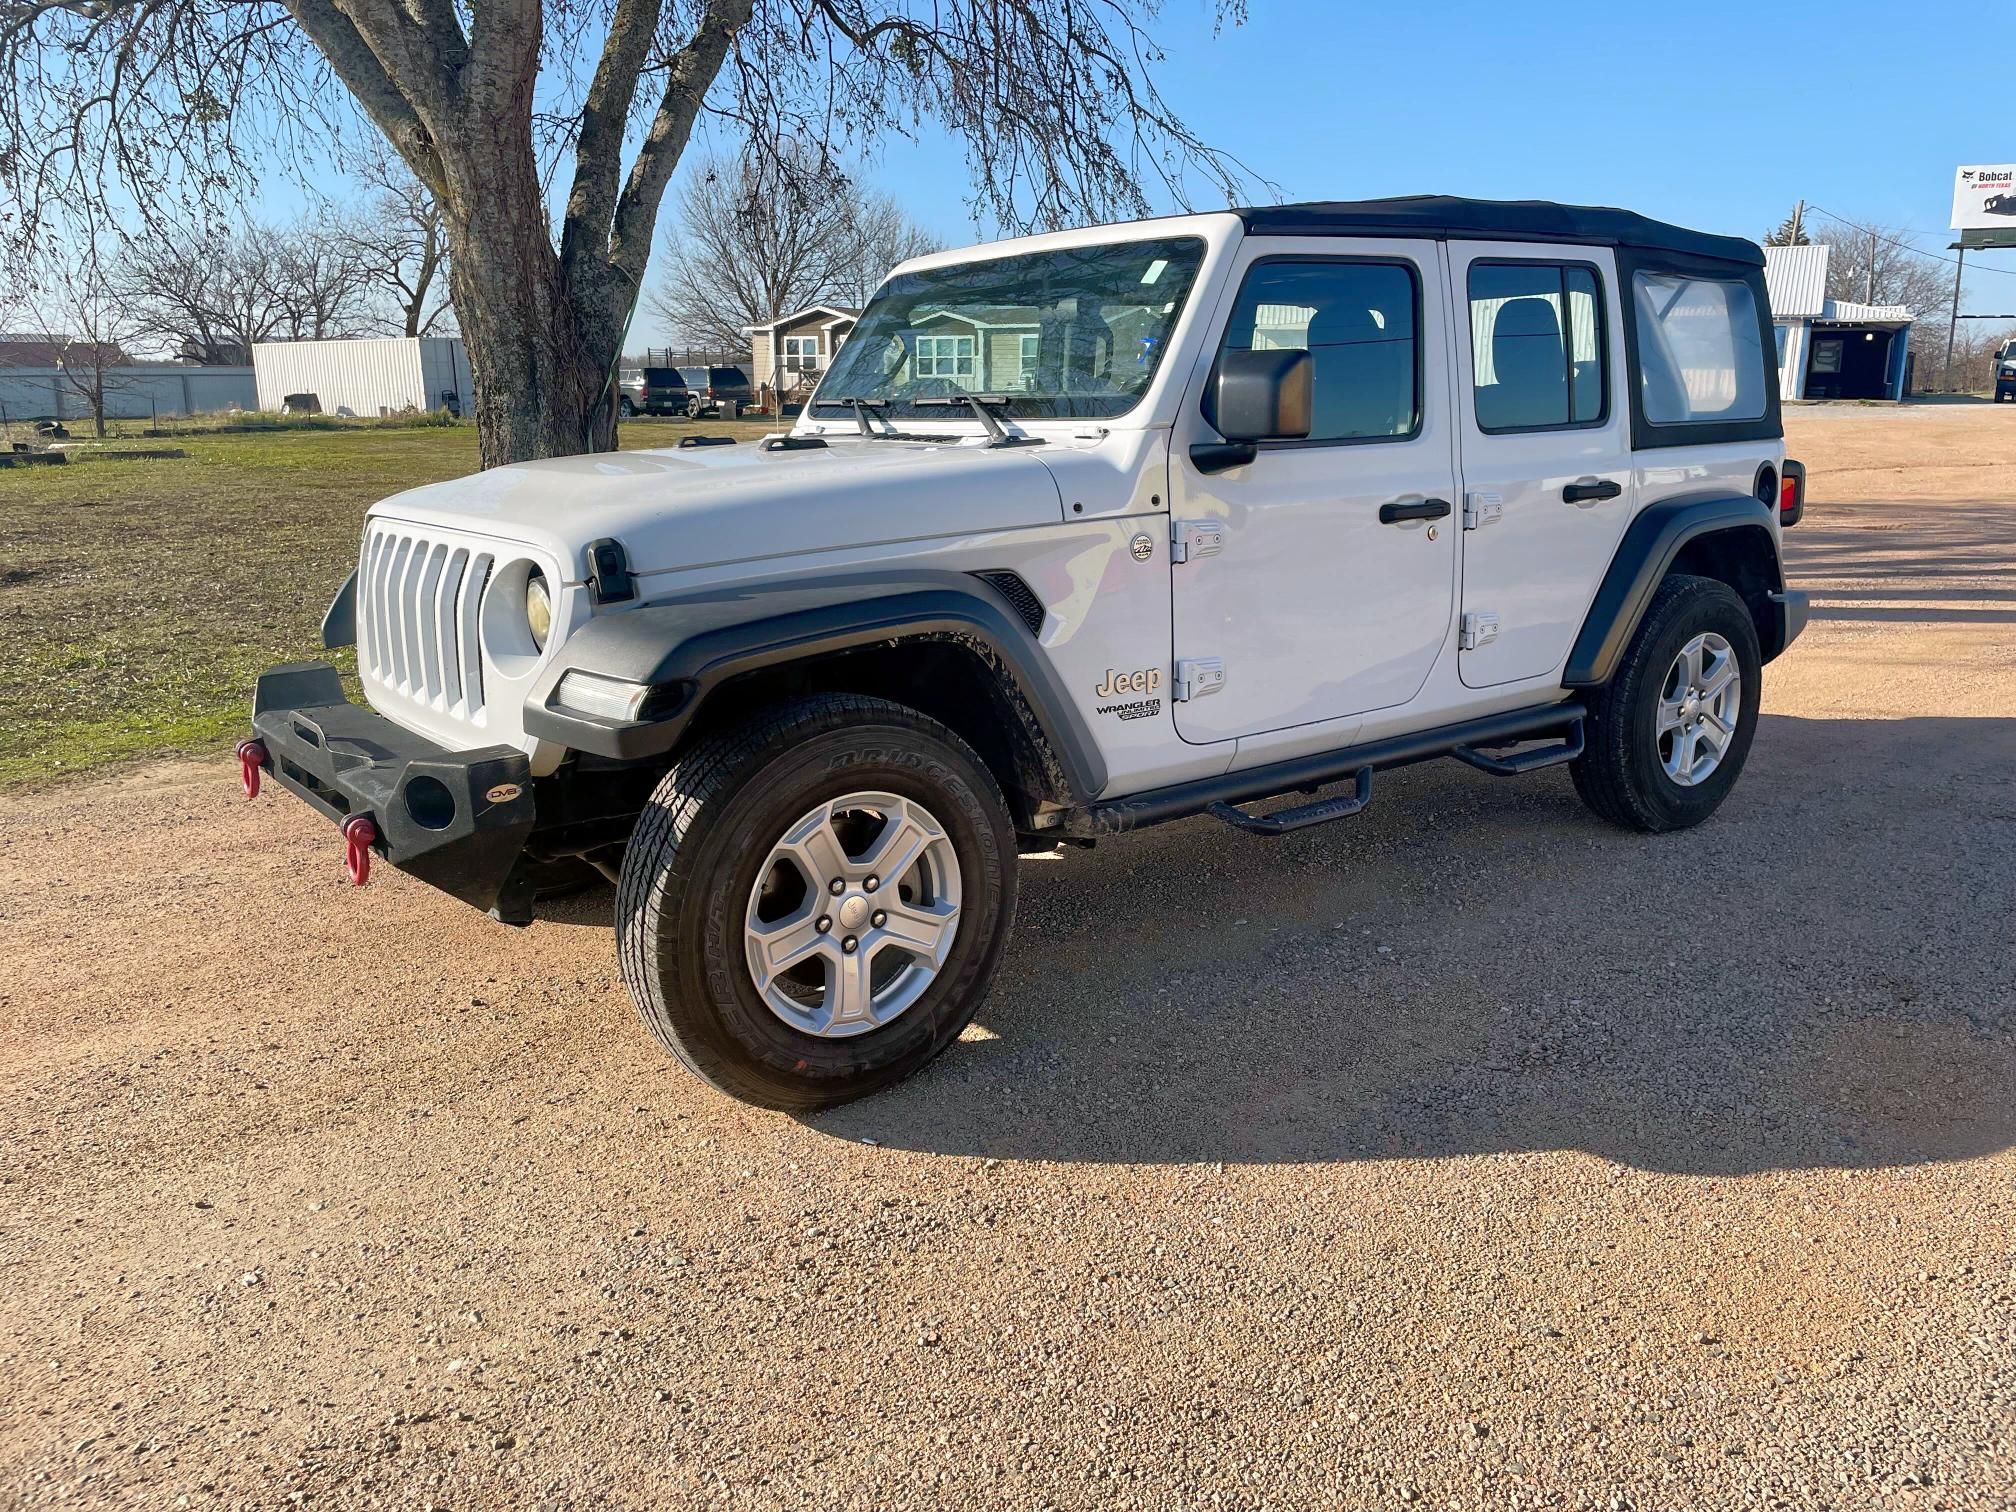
(1791, 493)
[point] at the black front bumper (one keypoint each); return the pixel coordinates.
(455, 819)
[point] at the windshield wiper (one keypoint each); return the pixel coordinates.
(863, 408)
(982, 407)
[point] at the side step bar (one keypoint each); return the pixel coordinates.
(1219, 795)
(1320, 812)
(1524, 761)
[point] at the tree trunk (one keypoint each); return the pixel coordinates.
(541, 351)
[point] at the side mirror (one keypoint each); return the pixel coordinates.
(1256, 396)
(1264, 396)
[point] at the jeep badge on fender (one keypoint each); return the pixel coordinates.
(804, 702)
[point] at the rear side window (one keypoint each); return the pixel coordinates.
(1537, 351)
(1700, 349)
(727, 377)
(1357, 322)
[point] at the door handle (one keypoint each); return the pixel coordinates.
(1590, 493)
(1424, 509)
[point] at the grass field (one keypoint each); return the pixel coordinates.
(138, 600)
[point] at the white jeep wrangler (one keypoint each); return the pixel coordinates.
(1080, 533)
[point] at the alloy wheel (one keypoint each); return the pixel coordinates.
(853, 914)
(1699, 705)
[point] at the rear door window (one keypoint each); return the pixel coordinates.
(1700, 349)
(1538, 359)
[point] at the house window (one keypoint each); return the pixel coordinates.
(801, 354)
(1026, 356)
(944, 356)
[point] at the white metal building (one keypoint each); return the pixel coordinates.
(367, 377)
(1832, 348)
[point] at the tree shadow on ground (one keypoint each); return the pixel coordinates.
(1821, 976)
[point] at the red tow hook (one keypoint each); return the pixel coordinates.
(359, 835)
(252, 758)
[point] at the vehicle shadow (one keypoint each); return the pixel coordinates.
(1821, 976)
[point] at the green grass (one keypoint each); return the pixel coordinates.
(139, 602)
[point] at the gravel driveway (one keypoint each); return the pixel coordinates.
(1467, 1155)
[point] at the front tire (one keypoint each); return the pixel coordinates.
(756, 929)
(1667, 736)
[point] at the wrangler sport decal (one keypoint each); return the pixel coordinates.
(1118, 684)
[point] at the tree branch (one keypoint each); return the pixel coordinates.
(356, 63)
(691, 75)
(598, 151)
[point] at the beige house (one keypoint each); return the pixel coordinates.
(788, 354)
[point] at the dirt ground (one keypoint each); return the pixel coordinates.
(1470, 1155)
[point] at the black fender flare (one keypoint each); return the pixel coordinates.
(687, 645)
(1650, 546)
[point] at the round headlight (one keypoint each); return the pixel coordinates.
(538, 607)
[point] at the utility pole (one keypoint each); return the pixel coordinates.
(1869, 285)
(1799, 223)
(1953, 323)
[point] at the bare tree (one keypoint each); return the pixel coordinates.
(880, 236)
(403, 245)
(1975, 343)
(74, 297)
(320, 278)
(755, 239)
(1054, 100)
(171, 282)
(1872, 264)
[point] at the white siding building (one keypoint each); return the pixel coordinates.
(368, 377)
(1832, 348)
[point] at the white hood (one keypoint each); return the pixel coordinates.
(703, 505)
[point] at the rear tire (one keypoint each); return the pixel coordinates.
(625, 408)
(1663, 746)
(695, 911)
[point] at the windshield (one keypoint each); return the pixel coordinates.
(1072, 333)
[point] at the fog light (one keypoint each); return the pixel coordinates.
(604, 697)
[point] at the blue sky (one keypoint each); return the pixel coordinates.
(1715, 114)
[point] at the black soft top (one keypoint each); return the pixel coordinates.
(1443, 216)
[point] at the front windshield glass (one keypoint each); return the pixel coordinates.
(1072, 333)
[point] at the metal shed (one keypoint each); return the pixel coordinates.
(366, 377)
(1832, 348)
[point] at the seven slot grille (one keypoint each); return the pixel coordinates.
(418, 601)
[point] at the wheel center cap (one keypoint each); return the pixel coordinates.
(854, 912)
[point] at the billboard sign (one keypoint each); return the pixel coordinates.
(1984, 198)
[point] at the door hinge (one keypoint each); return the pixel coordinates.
(1195, 538)
(1481, 509)
(1480, 628)
(1199, 677)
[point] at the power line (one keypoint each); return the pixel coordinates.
(1951, 262)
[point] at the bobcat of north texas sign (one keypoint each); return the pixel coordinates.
(1984, 198)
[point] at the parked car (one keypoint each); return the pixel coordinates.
(717, 391)
(2005, 372)
(654, 391)
(1157, 521)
